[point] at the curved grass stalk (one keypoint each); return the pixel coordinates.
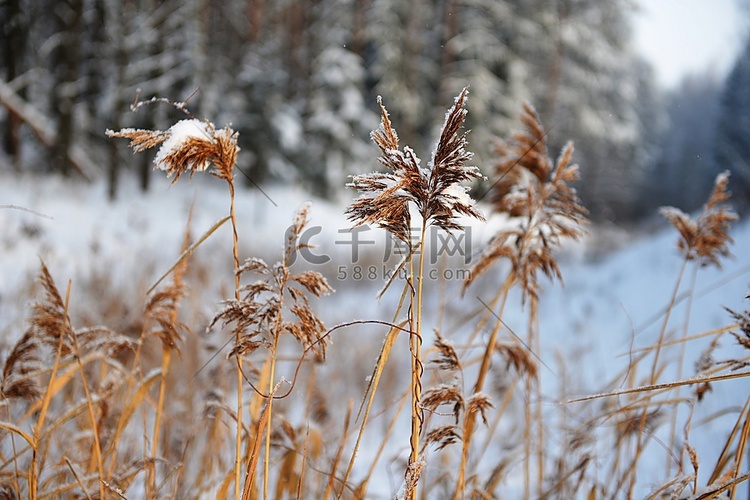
(361, 490)
(367, 402)
(269, 410)
(238, 334)
(415, 342)
(43, 411)
(89, 403)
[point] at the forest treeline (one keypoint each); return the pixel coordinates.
(298, 80)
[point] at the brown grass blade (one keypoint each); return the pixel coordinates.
(17, 430)
(715, 490)
(77, 477)
(725, 452)
(739, 454)
(371, 389)
(134, 402)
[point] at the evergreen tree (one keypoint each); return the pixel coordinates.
(596, 100)
(298, 78)
(12, 58)
(337, 122)
(405, 42)
(487, 53)
(66, 58)
(733, 135)
(683, 175)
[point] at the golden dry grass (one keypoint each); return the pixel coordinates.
(90, 412)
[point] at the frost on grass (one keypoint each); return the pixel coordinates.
(436, 191)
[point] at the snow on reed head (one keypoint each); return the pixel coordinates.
(187, 146)
(179, 135)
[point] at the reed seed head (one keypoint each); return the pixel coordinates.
(259, 313)
(437, 191)
(188, 146)
(536, 193)
(705, 239)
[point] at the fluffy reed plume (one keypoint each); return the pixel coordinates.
(161, 309)
(188, 146)
(704, 363)
(443, 436)
(49, 320)
(439, 197)
(479, 403)
(191, 146)
(259, 312)
(20, 369)
(48, 331)
(743, 323)
(447, 359)
(435, 191)
(51, 337)
(544, 210)
(706, 239)
(536, 192)
(446, 364)
(259, 319)
(447, 394)
(517, 356)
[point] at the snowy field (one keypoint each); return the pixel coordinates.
(610, 305)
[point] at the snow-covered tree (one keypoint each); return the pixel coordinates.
(14, 26)
(337, 122)
(298, 78)
(403, 64)
(596, 100)
(489, 53)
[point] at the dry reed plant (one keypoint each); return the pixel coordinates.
(82, 414)
(256, 312)
(437, 195)
(703, 241)
(191, 146)
(85, 369)
(544, 210)
(162, 310)
(258, 315)
(706, 239)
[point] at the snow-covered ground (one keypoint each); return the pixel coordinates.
(609, 304)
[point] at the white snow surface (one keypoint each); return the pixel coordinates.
(609, 305)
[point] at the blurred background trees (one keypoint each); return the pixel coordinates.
(298, 80)
(733, 133)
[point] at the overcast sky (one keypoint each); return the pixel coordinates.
(681, 37)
